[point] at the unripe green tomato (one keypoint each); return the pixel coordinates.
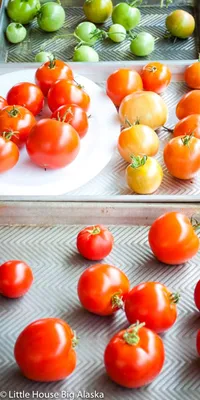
(126, 15)
(98, 11)
(117, 33)
(143, 44)
(86, 54)
(15, 32)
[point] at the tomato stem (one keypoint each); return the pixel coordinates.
(174, 297)
(138, 161)
(117, 301)
(195, 223)
(186, 139)
(168, 2)
(7, 135)
(95, 231)
(135, 3)
(75, 340)
(168, 129)
(131, 336)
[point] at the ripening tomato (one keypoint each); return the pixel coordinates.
(137, 140)
(187, 126)
(134, 357)
(172, 239)
(182, 156)
(16, 278)
(73, 115)
(144, 175)
(44, 350)
(154, 303)
(121, 83)
(67, 92)
(197, 295)
(52, 144)
(3, 103)
(189, 104)
(9, 153)
(192, 75)
(18, 122)
(180, 24)
(27, 95)
(156, 77)
(146, 107)
(51, 71)
(102, 289)
(95, 242)
(198, 342)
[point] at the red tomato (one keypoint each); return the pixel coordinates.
(16, 278)
(44, 350)
(73, 115)
(121, 83)
(102, 289)
(187, 126)
(27, 95)
(9, 154)
(189, 104)
(192, 75)
(95, 242)
(198, 342)
(156, 77)
(51, 71)
(67, 92)
(172, 238)
(153, 302)
(3, 103)
(197, 295)
(134, 357)
(18, 122)
(52, 144)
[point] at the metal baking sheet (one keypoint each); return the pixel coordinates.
(153, 21)
(110, 184)
(45, 237)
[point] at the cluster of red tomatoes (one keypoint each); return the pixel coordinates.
(134, 356)
(142, 112)
(50, 142)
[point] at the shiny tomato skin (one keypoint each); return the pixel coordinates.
(9, 154)
(41, 346)
(156, 77)
(52, 144)
(19, 120)
(151, 302)
(192, 75)
(95, 242)
(16, 278)
(197, 295)
(64, 92)
(172, 238)
(188, 104)
(73, 115)
(27, 95)
(198, 342)
(134, 366)
(182, 160)
(121, 83)
(3, 103)
(187, 126)
(51, 71)
(97, 286)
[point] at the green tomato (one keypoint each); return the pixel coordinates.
(98, 11)
(85, 53)
(15, 32)
(143, 44)
(180, 24)
(23, 11)
(126, 15)
(43, 56)
(51, 17)
(117, 33)
(84, 31)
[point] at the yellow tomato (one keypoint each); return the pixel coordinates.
(146, 107)
(144, 175)
(138, 140)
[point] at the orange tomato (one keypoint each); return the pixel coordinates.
(182, 156)
(188, 104)
(192, 75)
(146, 107)
(121, 83)
(138, 140)
(156, 77)
(188, 125)
(144, 175)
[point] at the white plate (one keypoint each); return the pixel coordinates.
(96, 147)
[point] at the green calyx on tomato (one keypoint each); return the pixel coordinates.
(117, 301)
(23, 11)
(186, 139)
(138, 161)
(167, 3)
(131, 336)
(7, 135)
(14, 112)
(95, 231)
(175, 297)
(75, 340)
